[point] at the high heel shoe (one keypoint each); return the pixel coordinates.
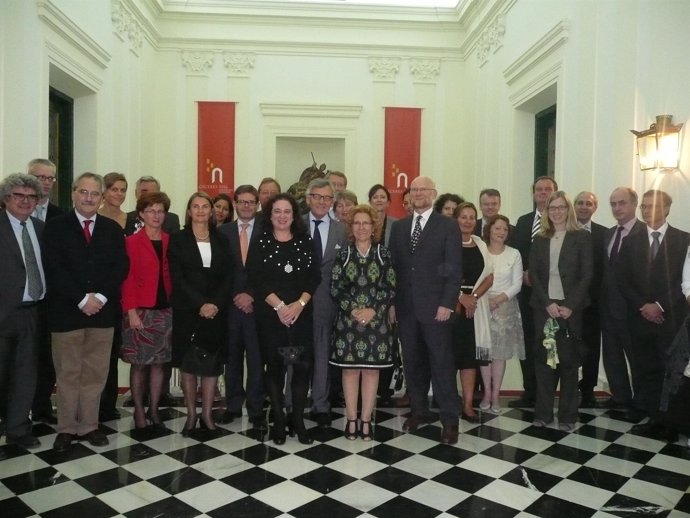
(278, 435)
(187, 430)
(368, 436)
(208, 430)
(474, 419)
(350, 435)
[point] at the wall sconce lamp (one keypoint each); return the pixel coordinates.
(659, 146)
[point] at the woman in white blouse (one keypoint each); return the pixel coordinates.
(507, 339)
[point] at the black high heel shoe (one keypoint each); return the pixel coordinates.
(278, 435)
(368, 436)
(207, 430)
(187, 431)
(304, 437)
(350, 435)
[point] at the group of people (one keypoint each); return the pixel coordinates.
(301, 298)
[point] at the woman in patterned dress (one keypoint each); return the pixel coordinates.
(363, 286)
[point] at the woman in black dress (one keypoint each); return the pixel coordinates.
(283, 271)
(201, 268)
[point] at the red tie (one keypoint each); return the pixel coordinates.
(87, 230)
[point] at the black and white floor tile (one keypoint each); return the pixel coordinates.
(501, 468)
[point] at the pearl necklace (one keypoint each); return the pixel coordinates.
(468, 242)
(199, 238)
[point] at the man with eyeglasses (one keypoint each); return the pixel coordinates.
(649, 275)
(23, 289)
(42, 409)
(329, 236)
(45, 172)
(243, 340)
(88, 264)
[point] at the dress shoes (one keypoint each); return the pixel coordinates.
(474, 419)
(225, 417)
(44, 418)
(96, 438)
(63, 442)
(631, 415)
(413, 422)
(654, 430)
(27, 441)
(523, 402)
(612, 404)
(323, 419)
(449, 435)
(588, 401)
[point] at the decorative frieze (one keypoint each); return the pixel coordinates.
(384, 68)
(126, 26)
(238, 63)
(491, 39)
(425, 69)
(197, 62)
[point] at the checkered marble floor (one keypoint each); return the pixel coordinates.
(501, 468)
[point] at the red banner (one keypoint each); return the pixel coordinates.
(401, 154)
(216, 162)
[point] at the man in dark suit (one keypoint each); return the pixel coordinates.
(329, 236)
(243, 339)
(23, 287)
(649, 275)
(586, 204)
(427, 256)
(150, 184)
(526, 228)
(616, 344)
(87, 265)
(489, 205)
(42, 409)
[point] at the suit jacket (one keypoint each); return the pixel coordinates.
(194, 285)
(53, 211)
(429, 277)
(140, 288)
(575, 269)
(387, 230)
(231, 231)
(613, 304)
(171, 224)
(76, 268)
(598, 233)
(643, 281)
(522, 238)
(13, 271)
(324, 306)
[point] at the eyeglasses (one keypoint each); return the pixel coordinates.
(86, 194)
(247, 203)
(321, 197)
(558, 208)
(420, 189)
(24, 197)
(154, 212)
(44, 178)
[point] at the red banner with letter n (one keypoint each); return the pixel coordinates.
(216, 161)
(401, 154)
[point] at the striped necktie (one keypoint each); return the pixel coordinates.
(536, 227)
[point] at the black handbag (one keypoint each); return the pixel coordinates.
(198, 359)
(290, 353)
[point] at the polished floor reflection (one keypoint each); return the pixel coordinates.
(501, 468)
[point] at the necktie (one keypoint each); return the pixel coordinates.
(33, 274)
(87, 230)
(616, 245)
(318, 244)
(655, 244)
(536, 226)
(244, 241)
(416, 233)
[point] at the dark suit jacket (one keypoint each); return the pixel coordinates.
(171, 224)
(598, 233)
(76, 268)
(429, 277)
(53, 211)
(574, 267)
(522, 237)
(13, 271)
(231, 231)
(643, 281)
(324, 306)
(194, 285)
(613, 304)
(140, 288)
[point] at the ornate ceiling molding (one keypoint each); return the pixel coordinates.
(126, 26)
(239, 63)
(491, 39)
(197, 62)
(426, 70)
(384, 68)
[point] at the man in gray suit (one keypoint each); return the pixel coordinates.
(23, 287)
(329, 236)
(427, 256)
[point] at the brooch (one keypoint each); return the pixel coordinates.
(288, 268)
